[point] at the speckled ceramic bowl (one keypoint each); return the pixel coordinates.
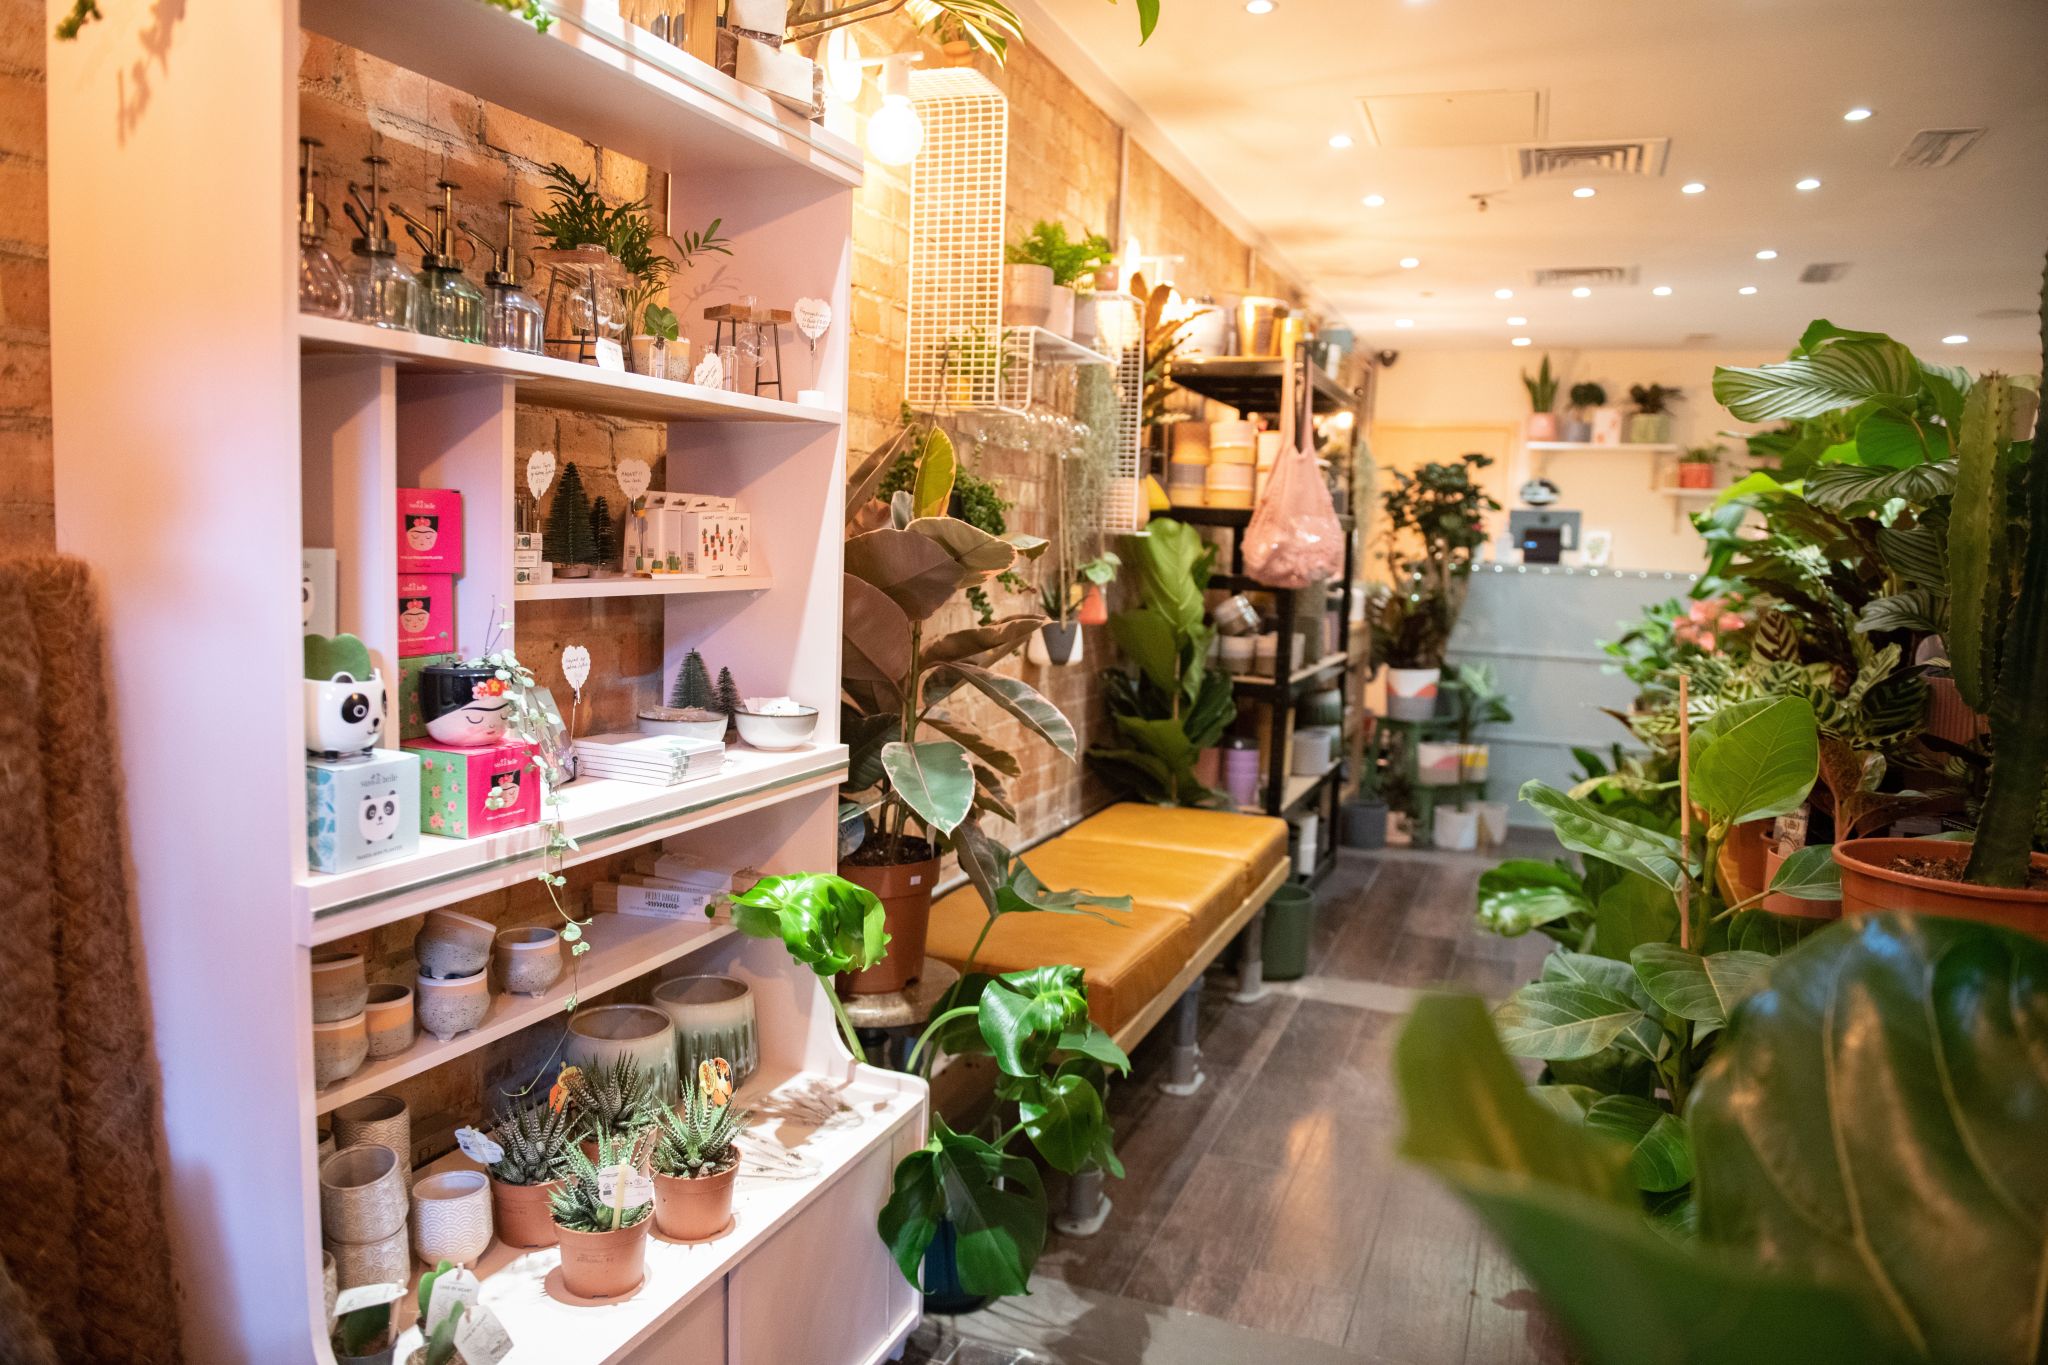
(528, 959)
(389, 1012)
(446, 1008)
(450, 945)
(339, 1049)
(338, 986)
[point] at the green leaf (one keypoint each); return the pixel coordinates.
(1166, 556)
(1148, 19)
(1703, 989)
(1025, 1014)
(1848, 488)
(1022, 701)
(1146, 639)
(1091, 1042)
(1885, 440)
(1755, 759)
(1760, 931)
(1585, 828)
(826, 922)
(933, 779)
(1660, 1159)
(1634, 910)
(1913, 609)
(1564, 1020)
(1061, 1115)
(935, 468)
(995, 1202)
(1523, 893)
(1877, 1118)
(1840, 374)
(1022, 892)
(1810, 874)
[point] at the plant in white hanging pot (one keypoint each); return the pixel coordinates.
(1042, 273)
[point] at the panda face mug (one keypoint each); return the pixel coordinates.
(344, 714)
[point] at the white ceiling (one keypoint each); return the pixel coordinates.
(1750, 93)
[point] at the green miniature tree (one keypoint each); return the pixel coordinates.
(692, 688)
(567, 537)
(603, 534)
(728, 693)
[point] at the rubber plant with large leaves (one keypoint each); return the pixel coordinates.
(1867, 1147)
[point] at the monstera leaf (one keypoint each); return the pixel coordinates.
(826, 922)
(1878, 1117)
(995, 1203)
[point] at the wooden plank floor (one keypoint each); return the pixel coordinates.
(1272, 1198)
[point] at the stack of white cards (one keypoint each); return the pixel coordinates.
(666, 886)
(657, 760)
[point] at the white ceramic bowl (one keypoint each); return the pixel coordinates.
(778, 732)
(663, 720)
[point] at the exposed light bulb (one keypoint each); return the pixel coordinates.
(1954, 339)
(843, 74)
(1258, 6)
(1747, 289)
(1519, 341)
(1404, 322)
(1340, 140)
(1518, 322)
(895, 132)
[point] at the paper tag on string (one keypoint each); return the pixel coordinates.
(610, 355)
(366, 1296)
(540, 472)
(480, 1339)
(639, 1187)
(457, 1288)
(710, 372)
(633, 476)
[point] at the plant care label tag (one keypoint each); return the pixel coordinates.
(455, 1289)
(610, 355)
(540, 472)
(639, 1187)
(710, 372)
(576, 668)
(813, 316)
(366, 1296)
(480, 1339)
(478, 1147)
(634, 476)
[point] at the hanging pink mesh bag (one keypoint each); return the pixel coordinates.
(1295, 538)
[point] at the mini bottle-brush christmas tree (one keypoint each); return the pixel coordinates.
(692, 689)
(602, 534)
(728, 693)
(567, 537)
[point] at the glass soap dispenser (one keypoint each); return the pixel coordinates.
(381, 292)
(322, 289)
(512, 317)
(450, 306)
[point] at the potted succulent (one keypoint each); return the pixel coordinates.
(613, 1101)
(437, 1335)
(602, 1214)
(1042, 272)
(1650, 424)
(1072, 601)
(921, 771)
(1584, 399)
(1696, 466)
(362, 1335)
(1542, 387)
(1439, 510)
(529, 1141)
(697, 1156)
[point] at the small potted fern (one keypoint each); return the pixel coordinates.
(602, 1213)
(697, 1157)
(530, 1140)
(614, 1100)
(1043, 271)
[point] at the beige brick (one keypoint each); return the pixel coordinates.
(25, 294)
(536, 143)
(24, 378)
(23, 129)
(24, 201)
(21, 35)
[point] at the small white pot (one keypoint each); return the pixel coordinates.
(1027, 296)
(1040, 653)
(451, 1217)
(1060, 317)
(1456, 831)
(1411, 692)
(1493, 822)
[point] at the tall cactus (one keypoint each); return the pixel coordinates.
(2019, 730)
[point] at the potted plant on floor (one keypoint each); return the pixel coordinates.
(1584, 399)
(1042, 272)
(1650, 424)
(604, 1239)
(1696, 466)
(526, 1171)
(922, 769)
(697, 1156)
(1542, 387)
(1435, 523)
(362, 1335)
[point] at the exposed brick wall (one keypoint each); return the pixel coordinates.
(27, 493)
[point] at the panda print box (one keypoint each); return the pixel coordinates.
(361, 810)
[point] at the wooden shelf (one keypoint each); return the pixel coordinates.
(523, 1288)
(1252, 383)
(1622, 448)
(622, 947)
(603, 816)
(1297, 680)
(566, 588)
(555, 383)
(1297, 790)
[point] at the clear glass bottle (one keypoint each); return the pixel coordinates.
(586, 304)
(381, 292)
(322, 289)
(450, 306)
(512, 317)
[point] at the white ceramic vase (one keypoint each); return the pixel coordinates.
(1456, 831)
(1411, 693)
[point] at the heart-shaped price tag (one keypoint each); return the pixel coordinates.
(710, 372)
(813, 316)
(633, 476)
(576, 668)
(540, 472)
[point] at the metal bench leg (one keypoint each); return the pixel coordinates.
(1251, 962)
(1184, 1074)
(1087, 1205)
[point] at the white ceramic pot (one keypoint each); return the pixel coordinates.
(1027, 296)
(1087, 329)
(713, 1017)
(1456, 831)
(777, 732)
(1060, 316)
(339, 988)
(449, 945)
(1439, 764)
(447, 1007)
(339, 1049)
(362, 1195)
(1493, 822)
(451, 1217)
(528, 959)
(1411, 692)
(599, 1035)
(380, 1121)
(1053, 646)
(344, 715)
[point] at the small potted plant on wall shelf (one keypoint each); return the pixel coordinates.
(1584, 399)
(1042, 273)
(1696, 467)
(1070, 603)
(660, 330)
(1650, 424)
(1542, 387)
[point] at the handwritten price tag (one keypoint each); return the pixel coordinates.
(480, 1339)
(576, 668)
(813, 316)
(633, 476)
(639, 1186)
(540, 472)
(457, 1289)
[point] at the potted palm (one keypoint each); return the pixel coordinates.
(1584, 399)
(1042, 272)
(1650, 424)
(1542, 387)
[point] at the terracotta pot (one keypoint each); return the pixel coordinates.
(604, 1265)
(520, 1214)
(1094, 607)
(1793, 905)
(1543, 426)
(1949, 717)
(1694, 474)
(905, 891)
(693, 1210)
(1870, 885)
(1742, 858)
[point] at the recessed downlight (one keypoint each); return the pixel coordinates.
(1693, 187)
(1582, 292)
(1584, 192)
(1856, 115)
(1810, 183)
(1373, 201)
(1767, 255)
(1503, 293)
(1747, 289)
(1409, 262)
(1518, 341)
(1662, 291)
(1340, 141)
(1404, 322)
(1258, 6)
(1518, 322)
(1954, 339)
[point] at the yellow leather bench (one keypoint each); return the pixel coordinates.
(1254, 842)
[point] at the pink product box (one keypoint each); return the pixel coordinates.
(429, 531)
(426, 614)
(468, 793)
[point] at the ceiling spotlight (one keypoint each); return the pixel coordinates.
(1258, 6)
(1662, 291)
(1807, 184)
(1340, 140)
(1954, 339)
(1767, 255)
(1856, 115)
(1583, 192)
(1373, 201)
(1409, 262)
(1519, 341)
(1503, 293)
(1582, 293)
(1518, 322)
(1692, 187)
(1404, 322)
(1747, 289)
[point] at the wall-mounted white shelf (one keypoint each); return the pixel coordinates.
(1624, 448)
(603, 816)
(1672, 490)
(563, 589)
(1050, 348)
(555, 383)
(622, 947)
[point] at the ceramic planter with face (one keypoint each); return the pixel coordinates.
(344, 714)
(465, 706)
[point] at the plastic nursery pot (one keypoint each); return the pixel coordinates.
(1793, 905)
(942, 1291)
(520, 1214)
(905, 890)
(604, 1265)
(1871, 883)
(1742, 858)
(1455, 831)
(687, 1210)
(1365, 824)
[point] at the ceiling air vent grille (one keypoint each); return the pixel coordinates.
(1824, 272)
(1933, 148)
(1569, 277)
(1552, 160)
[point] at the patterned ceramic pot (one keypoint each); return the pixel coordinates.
(380, 1119)
(713, 1017)
(362, 1196)
(451, 1217)
(338, 986)
(380, 1262)
(528, 959)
